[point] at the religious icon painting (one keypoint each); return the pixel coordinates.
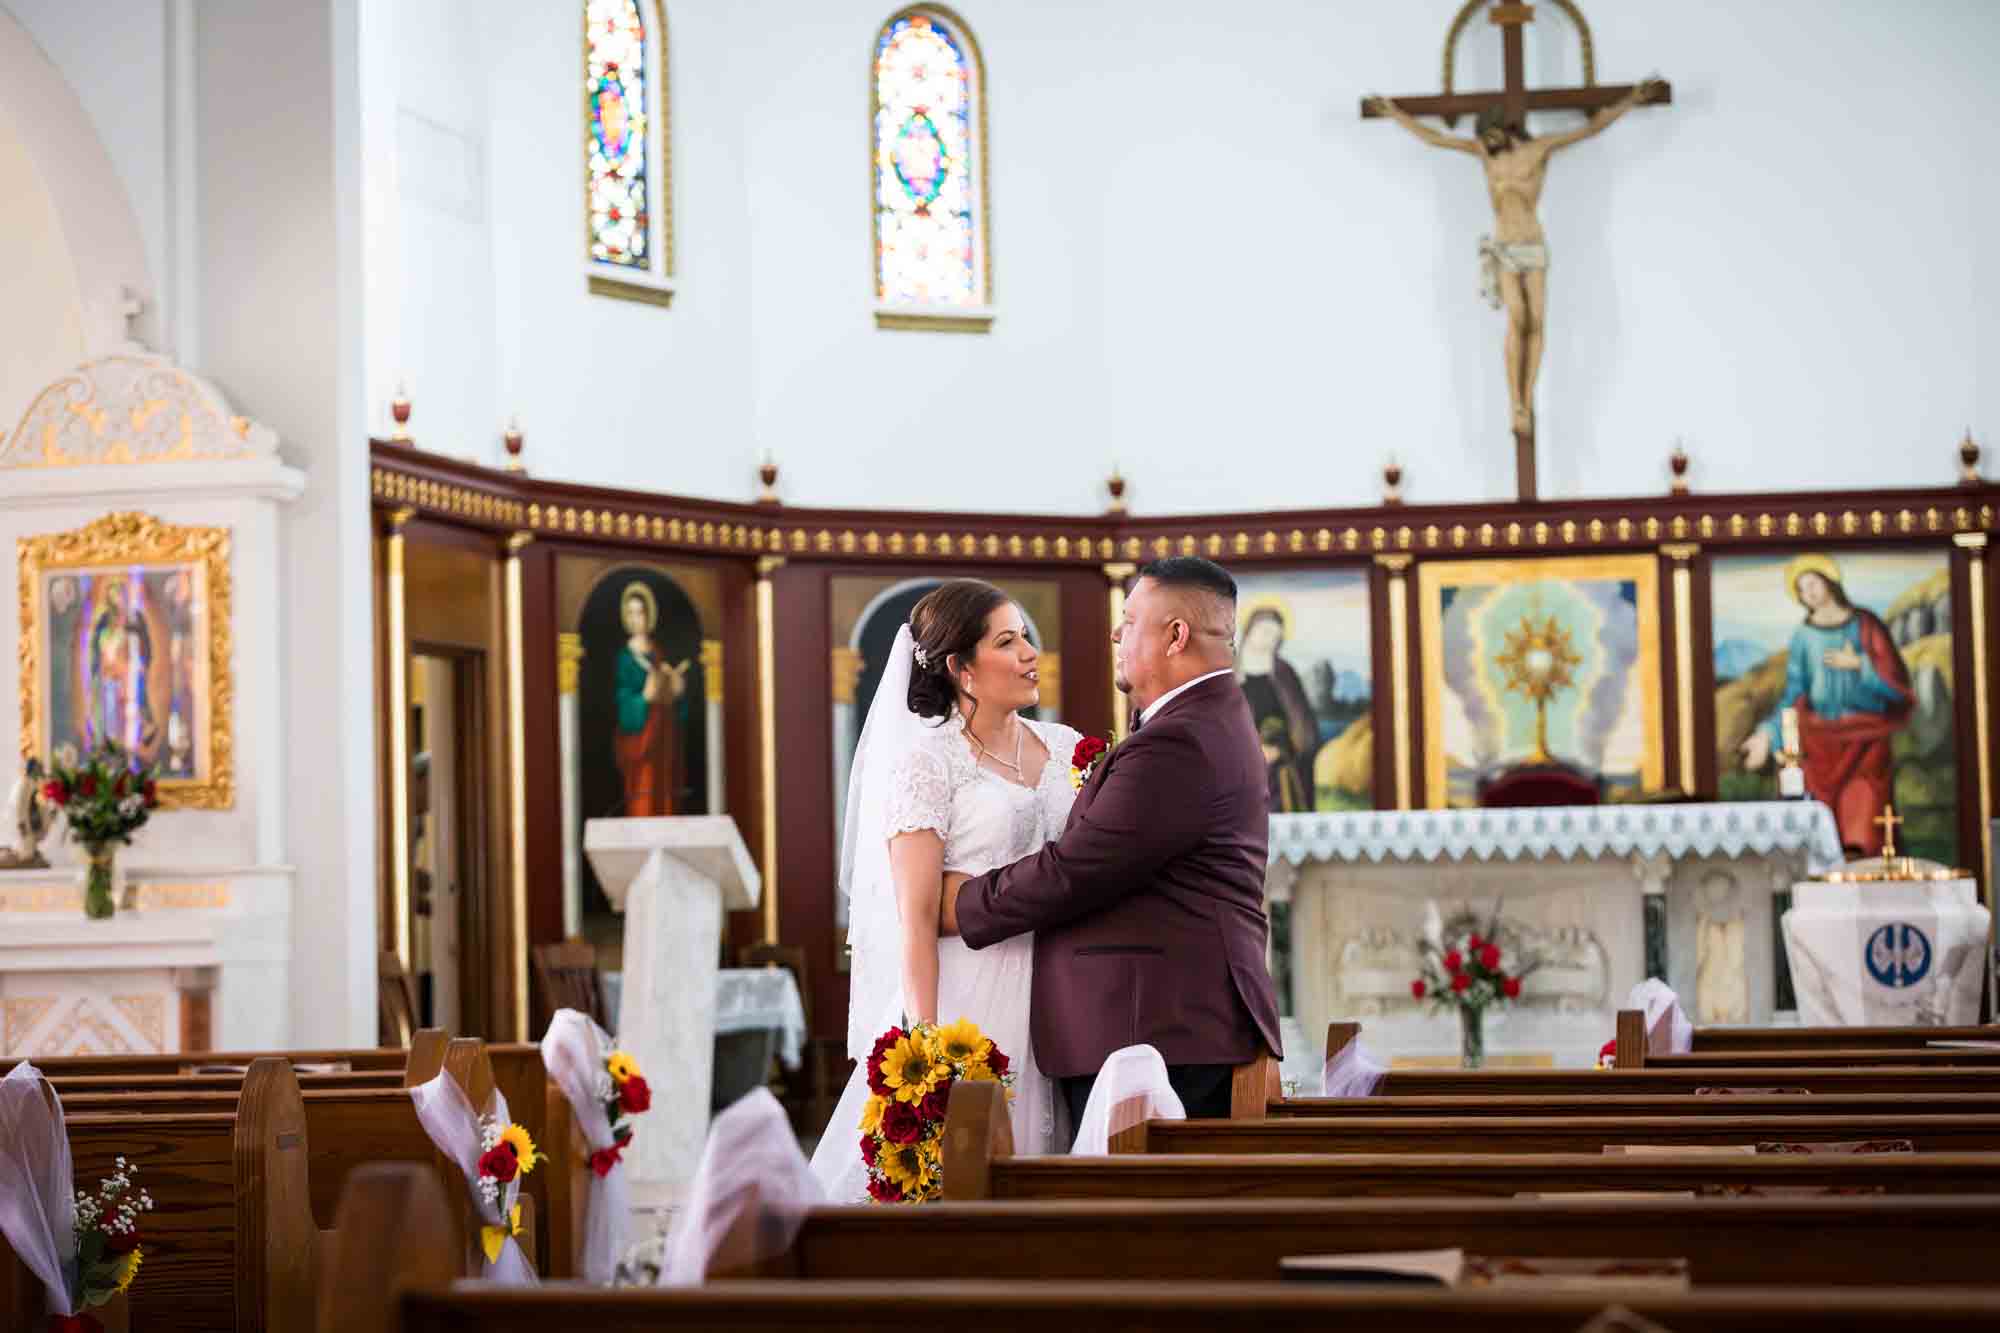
(1302, 656)
(641, 700)
(126, 638)
(1547, 668)
(1841, 663)
(867, 612)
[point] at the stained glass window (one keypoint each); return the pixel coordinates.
(930, 240)
(624, 92)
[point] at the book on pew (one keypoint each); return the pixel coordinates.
(1680, 1149)
(1455, 1268)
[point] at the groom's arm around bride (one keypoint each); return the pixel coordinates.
(1148, 910)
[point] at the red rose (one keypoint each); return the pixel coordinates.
(997, 1061)
(604, 1159)
(900, 1123)
(878, 1082)
(121, 1242)
(935, 1102)
(1453, 961)
(55, 793)
(86, 785)
(1474, 942)
(151, 791)
(118, 787)
(74, 1323)
(1087, 751)
(1607, 1054)
(1489, 957)
(1417, 988)
(883, 1190)
(1460, 981)
(634, 1096)
(1510, 987)
(500, 1163)
(869, 1149)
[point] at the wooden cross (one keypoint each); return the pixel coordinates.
(1515, 100)
(1514, 97)
(1888, 819)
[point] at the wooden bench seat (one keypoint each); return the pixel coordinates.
(1907, 1105)
(1714, 1039)
(1530, 1134)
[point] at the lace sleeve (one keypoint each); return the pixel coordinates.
(920, 792)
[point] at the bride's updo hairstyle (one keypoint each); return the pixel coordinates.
(947, 625)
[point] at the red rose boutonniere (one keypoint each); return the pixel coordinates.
(1083, 761)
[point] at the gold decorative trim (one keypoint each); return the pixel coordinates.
(123, 409)
(1681, 553)
(934, 321)
(640, 292)
(888, 317)
(569, 662)
(68, 897)
(397, 669)
(1975, 543)
(517, 784)
(661, 97)
(1401, 758)
(767, 732)
(711, 670)
(124, 540)
(846, 664)
(1049, 669)
(1121, 704)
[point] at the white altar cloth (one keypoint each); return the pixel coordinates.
(1891, 953)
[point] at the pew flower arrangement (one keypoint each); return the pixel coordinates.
(911, 1075)
(108, 1252)
(508, 1154)
(105, 797)
(1464, 964)
(624, 1092)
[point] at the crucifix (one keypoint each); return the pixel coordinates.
(1514, 261)
(1888, 819)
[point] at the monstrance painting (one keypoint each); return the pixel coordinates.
(1302, 655)
(1537, 663)
(866, 614)
(642, 670)
(1858, 648)
(127, 639)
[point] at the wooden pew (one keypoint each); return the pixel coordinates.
(187, 1062)
(384, 1277)
(1908, 1106)
(1823, 1048)
(1532, 1134)
(1710, 1040)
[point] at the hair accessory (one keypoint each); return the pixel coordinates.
(923, 658)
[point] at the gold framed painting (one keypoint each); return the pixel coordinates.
(1548, 662)
(125, 633)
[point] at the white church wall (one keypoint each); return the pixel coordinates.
(1208, 268)
(43, 334)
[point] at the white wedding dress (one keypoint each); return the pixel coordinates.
(934, 781)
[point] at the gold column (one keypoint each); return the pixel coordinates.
(1974, 543)
(517, 783)
(399, 739)
(846, 665)
(767, 726)
(1682, 555)
(569, 662)
(1049, 668)
(1398, 567)
(1121, 706)
(711, 670)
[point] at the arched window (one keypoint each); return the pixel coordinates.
(628, 199)
(931, 263)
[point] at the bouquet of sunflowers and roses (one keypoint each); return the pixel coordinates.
(911, 1074)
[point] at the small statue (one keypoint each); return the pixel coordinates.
(32, 821)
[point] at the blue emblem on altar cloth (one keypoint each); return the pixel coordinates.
(1898, 955)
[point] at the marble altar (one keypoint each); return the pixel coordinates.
(1605, 895)
(1887, 952)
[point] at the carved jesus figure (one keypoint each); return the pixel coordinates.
(1514, 260)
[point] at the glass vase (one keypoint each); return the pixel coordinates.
(1471, 1038)
(100, 877)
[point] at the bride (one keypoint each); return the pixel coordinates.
(948, 777)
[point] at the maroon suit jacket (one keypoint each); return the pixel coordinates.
(1149, 909)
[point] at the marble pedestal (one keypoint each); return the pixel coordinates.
(1904, 953)
(673, 878)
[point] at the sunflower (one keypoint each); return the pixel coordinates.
(620, 1066)
(912, 1166)
(911, 1068)
(524, 1147)
(127, 1269)
(962, 1043)
(978, 1071)
(871, 1114)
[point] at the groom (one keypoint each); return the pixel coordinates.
(1148, 911)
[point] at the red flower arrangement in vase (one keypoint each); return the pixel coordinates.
(1464, 963)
